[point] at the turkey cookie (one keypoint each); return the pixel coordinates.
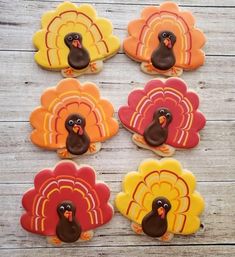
(163, 116)
(160, 199)
(73, 119)
(66, 203)
(74, 40)
(165, 41)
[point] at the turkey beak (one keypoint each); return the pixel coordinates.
(68, 215)
(161, 212)
(76, 43)
(77, 129)
(162, 121)
(167, 42)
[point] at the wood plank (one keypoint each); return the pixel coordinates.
(23, 25)
(136, 251)
(26, 83)
(212, 160)
(218, 219)
(201, 3)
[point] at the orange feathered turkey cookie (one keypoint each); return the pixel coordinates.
(73, 119)
(165, 40)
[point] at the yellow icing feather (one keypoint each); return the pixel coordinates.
(164, 178)
(67, 18)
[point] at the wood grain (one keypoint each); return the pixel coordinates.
(219, 207)
(29, 81)
(27, 21)
(138, 251)
(212, 162)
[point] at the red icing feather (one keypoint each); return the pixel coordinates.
(66, 182)
(171, 94)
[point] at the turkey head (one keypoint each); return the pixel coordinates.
(68, 229)
(154, 224)
(157, 131)
(163, 57)
(77, 141)
(78, 57)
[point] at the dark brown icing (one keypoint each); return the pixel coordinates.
(154, 224)
(163, 57)
(78, 57)
(156, 132)
(77, 141)
(68, 229)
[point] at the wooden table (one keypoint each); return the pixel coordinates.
(213, 161)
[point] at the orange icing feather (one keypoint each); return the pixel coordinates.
(143, 35)
(67, 98)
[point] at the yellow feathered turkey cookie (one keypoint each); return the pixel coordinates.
(160, 199)
(75, 40)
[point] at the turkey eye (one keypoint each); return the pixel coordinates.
(76, 37)
(161, 111)
(165, 205)
(68, 208)
(62, 208)
(70, 38)
(164, 34)
(71, 122)
(79, 121)
(159, 202)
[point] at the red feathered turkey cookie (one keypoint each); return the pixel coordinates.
(163, 116)
(66, 203)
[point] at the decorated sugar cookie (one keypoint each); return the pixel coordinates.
(66, 203)
(160, 200)
(163, 116)
(75, 40)
(73, 119)
(165, 40)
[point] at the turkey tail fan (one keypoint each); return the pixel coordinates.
(70, 97)
(70, 18)
(167, 179)
(143, 35)
(174, 95)
(66, 182)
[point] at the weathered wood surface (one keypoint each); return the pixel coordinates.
(219, 20)
(213, 162)
(115, 82)
(118, 231)
(210, 161)
(195, 250)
